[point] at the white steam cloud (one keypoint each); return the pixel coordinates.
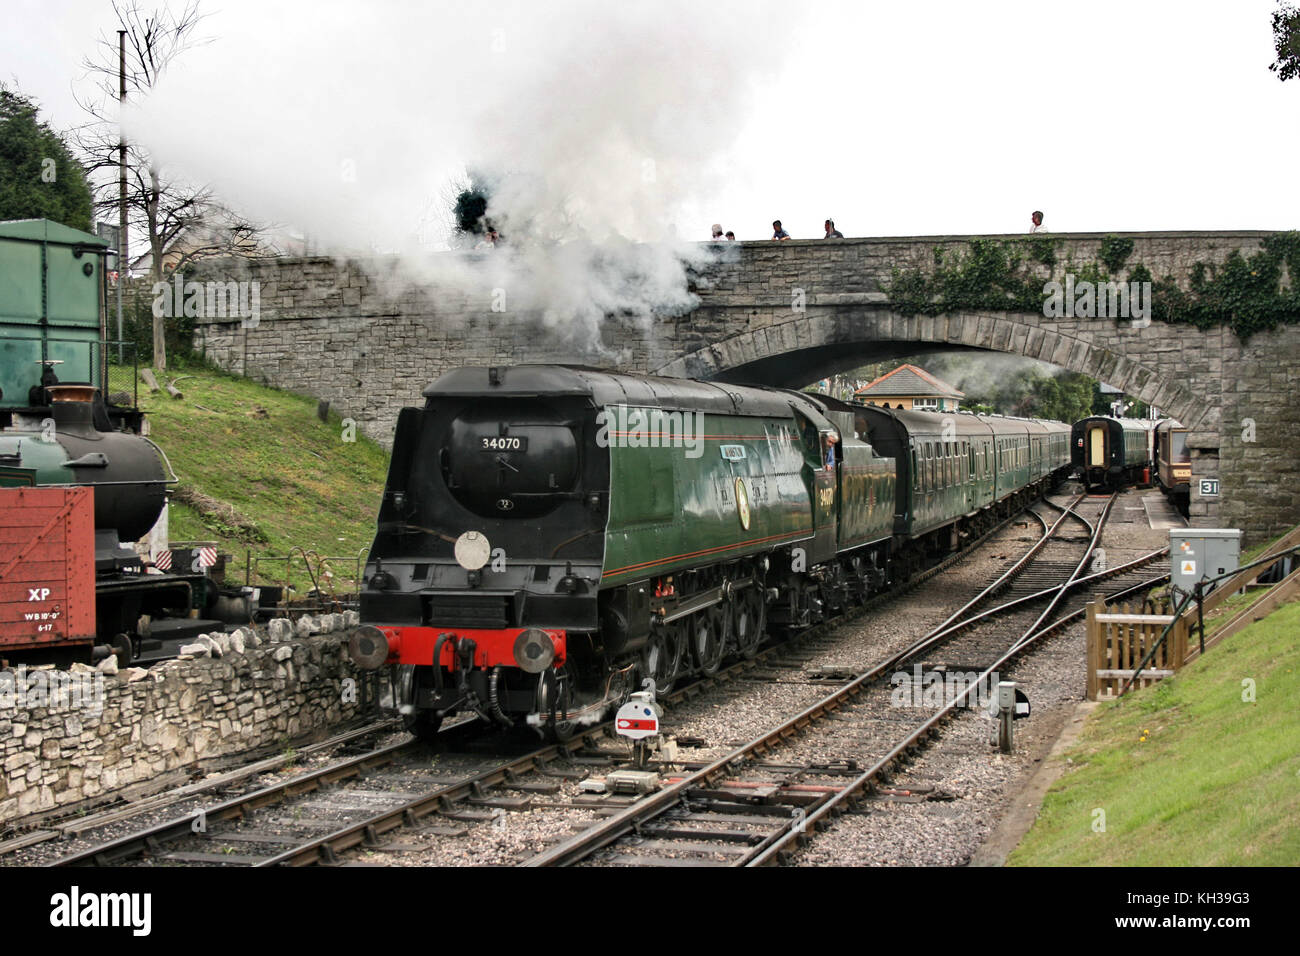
(597, 122)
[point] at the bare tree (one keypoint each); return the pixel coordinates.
(160, 206)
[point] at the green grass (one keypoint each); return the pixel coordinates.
(1187, 773)
(1257, 552)
(264, 452)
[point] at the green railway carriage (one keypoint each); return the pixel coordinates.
(1031, 449)
(1052, 448)
(958, 471)
(1111, 452)
(1012, 456)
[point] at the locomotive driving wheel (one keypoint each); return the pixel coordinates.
(749, 621)
(709, 639)
(664, 655)
(860, 586)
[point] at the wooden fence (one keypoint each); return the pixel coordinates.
(1119, 638)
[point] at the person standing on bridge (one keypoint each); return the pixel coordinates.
(777, 231)
(1037, 219)
(831, 231)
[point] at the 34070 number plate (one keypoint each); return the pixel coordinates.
(502, 443)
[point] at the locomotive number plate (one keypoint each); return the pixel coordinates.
(502, 443)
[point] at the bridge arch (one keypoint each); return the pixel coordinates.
(801, 347)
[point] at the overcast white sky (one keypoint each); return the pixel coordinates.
(894, 118)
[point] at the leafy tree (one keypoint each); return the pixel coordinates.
(39, 178)
(1103, 404)
(1066, 397)
(1286, 40)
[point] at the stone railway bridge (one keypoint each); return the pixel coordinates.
(363, 335)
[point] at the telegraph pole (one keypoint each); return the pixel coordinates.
(123, 261)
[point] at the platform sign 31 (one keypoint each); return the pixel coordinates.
(1209, 487)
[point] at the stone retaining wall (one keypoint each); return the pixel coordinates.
(148, 729)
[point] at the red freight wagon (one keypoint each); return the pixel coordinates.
(47, 568)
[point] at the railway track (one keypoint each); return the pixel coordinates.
(754, 805)
(73, 825)
(361, 803)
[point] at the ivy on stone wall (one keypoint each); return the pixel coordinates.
(993, 274)
(1247, 293)
(1114, 252)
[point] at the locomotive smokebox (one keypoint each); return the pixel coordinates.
(505, 459)
(126, 471)
(69, 448)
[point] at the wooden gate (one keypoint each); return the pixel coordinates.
(1120, 638)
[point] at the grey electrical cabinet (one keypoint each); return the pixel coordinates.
(1199, 554)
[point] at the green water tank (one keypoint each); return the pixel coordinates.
(51, 282)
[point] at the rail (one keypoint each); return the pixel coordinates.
(615, 827)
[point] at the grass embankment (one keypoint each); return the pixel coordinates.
(1186, 771)
(261, 473)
